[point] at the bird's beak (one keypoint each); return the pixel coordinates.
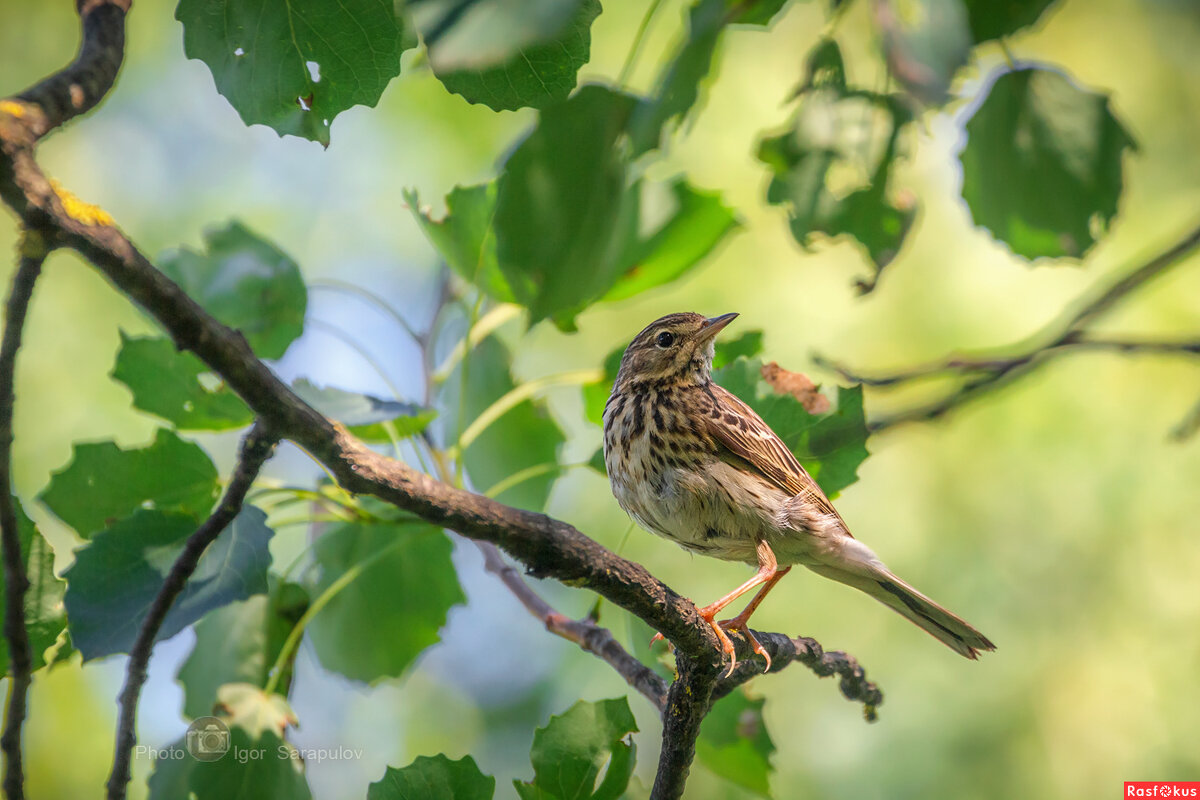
(713, 325)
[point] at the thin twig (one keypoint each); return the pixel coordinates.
(984, 373)
(257, 447)
(33, 253)
(803, 650)
(585, 633)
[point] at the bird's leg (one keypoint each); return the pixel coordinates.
(739, 623)
(768, 573)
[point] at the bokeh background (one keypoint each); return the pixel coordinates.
(1056, 514)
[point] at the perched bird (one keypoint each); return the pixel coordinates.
(692, 463)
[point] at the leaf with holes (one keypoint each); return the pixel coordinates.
(535, 76)
(386, 590)
(177, 387)
(829, 445)
(436, 778)
(296, 64)
(1042, 169)
(734, 743)
(104, 483)
(245, 282)
(45, 617)
(570, 751)
(116, 577)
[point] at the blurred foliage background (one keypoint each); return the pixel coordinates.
(1056, 514)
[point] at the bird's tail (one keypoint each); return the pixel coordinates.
(876, 580)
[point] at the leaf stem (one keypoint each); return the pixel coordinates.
(517, 395)
(287, 651)
(636, 47)
(478, 331)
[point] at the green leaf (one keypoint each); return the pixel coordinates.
(238, 644)
(995, 19)
(525, 436)
(535, 76)
(363, 414)
(749, 344)
(254, 768)
(826, 134)
(436, 778)
(296, 64)
(45, 617)
(925, 43)
(115, 578)
(487, 33)
(167, 383)
(1042, 167)
(245, 282)
(698, 223)
(563, 214)
(570, 751)
(465, 237)
(734, 743)
(678, 87)
(401, 584)
(830, 445)
(103, 483)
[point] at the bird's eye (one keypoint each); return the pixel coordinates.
(665, 339)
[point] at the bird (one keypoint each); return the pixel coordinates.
(691, 462)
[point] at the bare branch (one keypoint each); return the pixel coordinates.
(585, 633)
(688, 701)
(33, 253)
(257, 447)
(803, 650)
(984, 373)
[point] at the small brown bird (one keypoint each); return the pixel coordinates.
(694, 464)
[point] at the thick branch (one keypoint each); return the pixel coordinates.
(985, 373)
(688, 702)
(256, 449)
(33, 253)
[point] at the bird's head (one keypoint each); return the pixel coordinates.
(675, 349)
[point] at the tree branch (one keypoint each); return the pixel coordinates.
(257, 447)
(803, 650)
(33, 253)
(585, 633)
(985, 373)
(547, 547)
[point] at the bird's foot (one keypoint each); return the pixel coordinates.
(709, 614)
(738, 624)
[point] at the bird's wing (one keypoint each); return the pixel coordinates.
(743, 433)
